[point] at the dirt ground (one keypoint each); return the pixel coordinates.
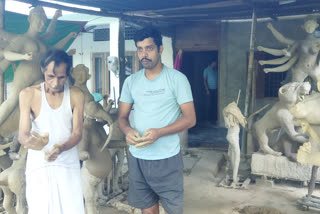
(204, 171)
(202, 196)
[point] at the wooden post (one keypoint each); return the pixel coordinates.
(2, 11)
(249, 77)
(121, 46)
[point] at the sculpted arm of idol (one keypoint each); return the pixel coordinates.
(34, 141)
(77, 103)
(15, 51)
(132, 135)
(52, 26)
(187, 121)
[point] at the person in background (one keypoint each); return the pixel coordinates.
(210, 80)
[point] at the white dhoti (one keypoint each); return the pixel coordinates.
(54, 190)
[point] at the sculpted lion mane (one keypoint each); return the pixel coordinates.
(279, 116)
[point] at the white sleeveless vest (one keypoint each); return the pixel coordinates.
(58, 123)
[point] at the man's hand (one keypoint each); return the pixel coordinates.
(133, 137)
(148, 138)
(54, 153)
(36, 141)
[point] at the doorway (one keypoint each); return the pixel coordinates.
(193, 64)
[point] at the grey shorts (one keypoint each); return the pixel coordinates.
(154, 180)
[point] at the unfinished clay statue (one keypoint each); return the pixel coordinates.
(279, 116)
(97, 166)
(306, 110)
(80, 74)
(116, 144)
(309, 153)
(233, 118)
(301, 56)
(113, 65)
(27, 48)
(94, 110)
(302, 111)
(288, 146)
(13, 184)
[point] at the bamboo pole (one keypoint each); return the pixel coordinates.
(253, 88)
(2, 10)
(250, 146)
(249, 77)
(121, 40)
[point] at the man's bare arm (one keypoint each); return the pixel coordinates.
(132, 135)
(77, 98)
(205, 82)
(35, 141)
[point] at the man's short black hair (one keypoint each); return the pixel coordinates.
(147, 32)
(58, 57)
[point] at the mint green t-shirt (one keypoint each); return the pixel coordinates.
(156, 104)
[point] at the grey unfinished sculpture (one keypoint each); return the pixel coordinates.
(233, 118)
(13, 184)
(26, 48)
(279, 116)
(300, 57)
(97, 167)
(97, 160)
(116, 144)
(113, 65)
(80, 74)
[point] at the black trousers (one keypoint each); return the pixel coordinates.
(211, 105)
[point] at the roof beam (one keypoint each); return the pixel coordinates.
(210, 5)
(72, 9)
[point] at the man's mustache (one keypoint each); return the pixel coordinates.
(145, 59)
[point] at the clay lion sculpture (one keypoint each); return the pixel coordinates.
(307, 109)
(309, 152)
(13, 184)
(279, 116)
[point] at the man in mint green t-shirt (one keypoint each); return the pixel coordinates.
(163, 106)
